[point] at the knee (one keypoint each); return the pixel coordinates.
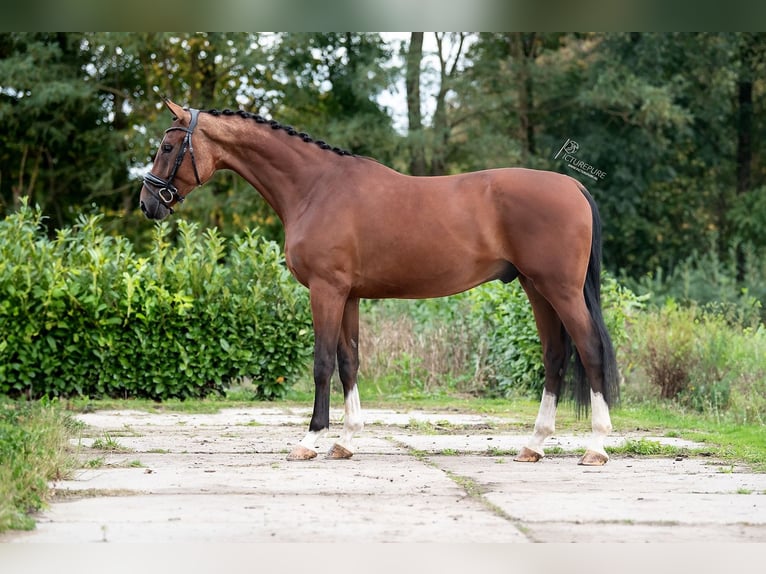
(323, 368)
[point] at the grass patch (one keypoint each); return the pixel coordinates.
(646, 447)
(108, 443)
(34, 449)
(97, 462)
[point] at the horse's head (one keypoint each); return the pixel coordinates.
(176, 170)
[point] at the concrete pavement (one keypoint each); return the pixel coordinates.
(416, 477)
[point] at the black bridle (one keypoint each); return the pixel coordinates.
(166, 192)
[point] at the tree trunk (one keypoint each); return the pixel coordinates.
(744, 131)
(522, 49)
(414, 115)
(441, 126)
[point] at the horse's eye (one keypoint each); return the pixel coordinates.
(167, 148)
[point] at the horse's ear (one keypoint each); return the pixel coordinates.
(174, 108)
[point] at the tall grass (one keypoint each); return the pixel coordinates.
(415, 348)
(33, 451)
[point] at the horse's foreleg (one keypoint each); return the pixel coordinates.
(348, 367)
(327, 310)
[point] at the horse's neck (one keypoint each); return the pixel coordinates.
(279, 166)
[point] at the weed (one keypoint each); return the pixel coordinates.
(107, 442)
(424, 427)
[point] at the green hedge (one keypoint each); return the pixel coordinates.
(83, 314)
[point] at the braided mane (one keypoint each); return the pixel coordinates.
(275, 125)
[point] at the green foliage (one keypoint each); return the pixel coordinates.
(33, 440)
(82, 315)
(54, 143)
(483, 341)
(506, 324)
(730, 282)
(505, 321)
(702, 358)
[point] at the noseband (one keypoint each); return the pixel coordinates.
(164, 189)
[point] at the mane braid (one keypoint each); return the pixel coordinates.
(275, 125)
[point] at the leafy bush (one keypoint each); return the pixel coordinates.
(506, 324)
(82, 314)
(702, 358)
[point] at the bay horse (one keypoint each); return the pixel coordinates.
(355, 229)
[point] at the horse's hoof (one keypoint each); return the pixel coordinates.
(527, 455)
(300, 452)
(339, 452)
(593, 458)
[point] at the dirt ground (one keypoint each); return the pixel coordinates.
(416, 477)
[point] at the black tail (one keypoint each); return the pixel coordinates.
(592, 292)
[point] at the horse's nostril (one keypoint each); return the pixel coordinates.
(143, 207)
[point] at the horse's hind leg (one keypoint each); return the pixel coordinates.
(348, 367)
(551, 333)
(578, 322)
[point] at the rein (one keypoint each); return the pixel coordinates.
(164, 189)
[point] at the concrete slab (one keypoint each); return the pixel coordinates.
(647, 493)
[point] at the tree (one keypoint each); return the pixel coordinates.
(417, 160)
(327, 83)
(55, 147)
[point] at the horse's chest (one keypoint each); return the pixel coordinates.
(295, 263)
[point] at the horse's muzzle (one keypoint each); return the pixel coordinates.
(152, 207)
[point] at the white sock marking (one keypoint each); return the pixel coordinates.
(353, 421)
(311, 438)
(545, 424)
(602, 424)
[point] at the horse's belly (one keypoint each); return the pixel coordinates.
(425, 280)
